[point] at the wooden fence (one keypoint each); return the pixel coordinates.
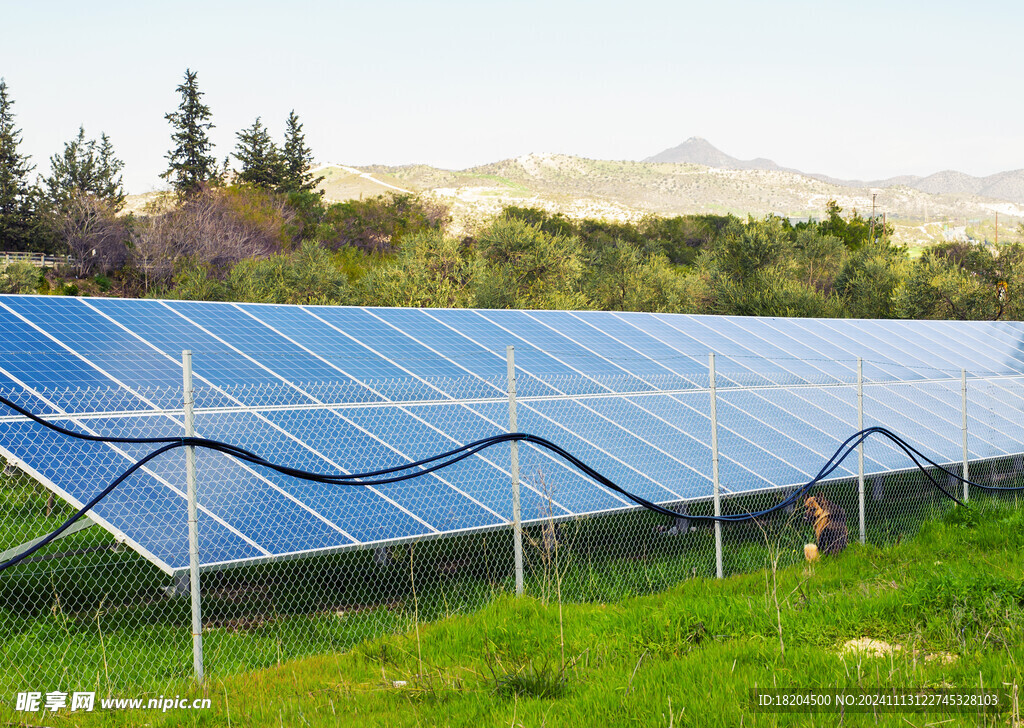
(39, 260)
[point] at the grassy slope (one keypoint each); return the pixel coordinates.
(340, 185)
(683, 657)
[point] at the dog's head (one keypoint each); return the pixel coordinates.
(815, 507)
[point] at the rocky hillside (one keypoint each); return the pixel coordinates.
(626, 190)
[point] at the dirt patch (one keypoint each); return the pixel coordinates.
(868, 647)
(945, 658)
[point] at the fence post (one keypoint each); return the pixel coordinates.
(963, 394)
(193, 520)
(860, 448)
(714, 466)
(517, 518)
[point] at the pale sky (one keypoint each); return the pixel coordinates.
(855, 90)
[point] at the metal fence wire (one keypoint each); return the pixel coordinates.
(290, 568)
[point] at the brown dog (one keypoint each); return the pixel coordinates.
(829, 524)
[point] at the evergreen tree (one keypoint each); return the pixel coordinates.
(86, 167)
(17, 196)
(262, 165)
(298, 159)
(109, 169)
(191, 164)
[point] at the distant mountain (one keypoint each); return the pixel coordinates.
(696, 150)
(1007, 186)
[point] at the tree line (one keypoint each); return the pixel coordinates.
(257, 229)
(76, 209)
(241, 243)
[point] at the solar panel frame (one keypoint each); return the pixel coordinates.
(639, 387)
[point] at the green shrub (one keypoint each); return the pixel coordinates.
(307, 276)
(521, 266)
(378, 223)
(19, 278)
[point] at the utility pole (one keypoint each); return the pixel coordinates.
(872, 217)
(997, 229)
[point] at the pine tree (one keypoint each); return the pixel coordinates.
(298, 159)
(111, 188)
(17, 196)
(262, 165)
(191, 164)
(86, 167)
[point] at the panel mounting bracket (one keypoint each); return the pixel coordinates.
(80, 525)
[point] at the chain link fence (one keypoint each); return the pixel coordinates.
(294, 568)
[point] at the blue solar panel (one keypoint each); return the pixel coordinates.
(342, 389)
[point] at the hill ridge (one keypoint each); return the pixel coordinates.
(626, 190)
(1007, 185)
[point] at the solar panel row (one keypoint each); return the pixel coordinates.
(354, 389)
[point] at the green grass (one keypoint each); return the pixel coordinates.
(952, 596)
(505, 181)
(105, 619)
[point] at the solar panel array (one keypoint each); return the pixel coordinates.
(355, 389)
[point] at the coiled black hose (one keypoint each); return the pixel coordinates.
(443, 460)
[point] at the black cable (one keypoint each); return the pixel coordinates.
(88, 506)
(437, 462)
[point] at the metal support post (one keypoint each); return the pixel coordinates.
(714, 466)
(193, 520)
(860, 448)
(963, 394)
(517, 518)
